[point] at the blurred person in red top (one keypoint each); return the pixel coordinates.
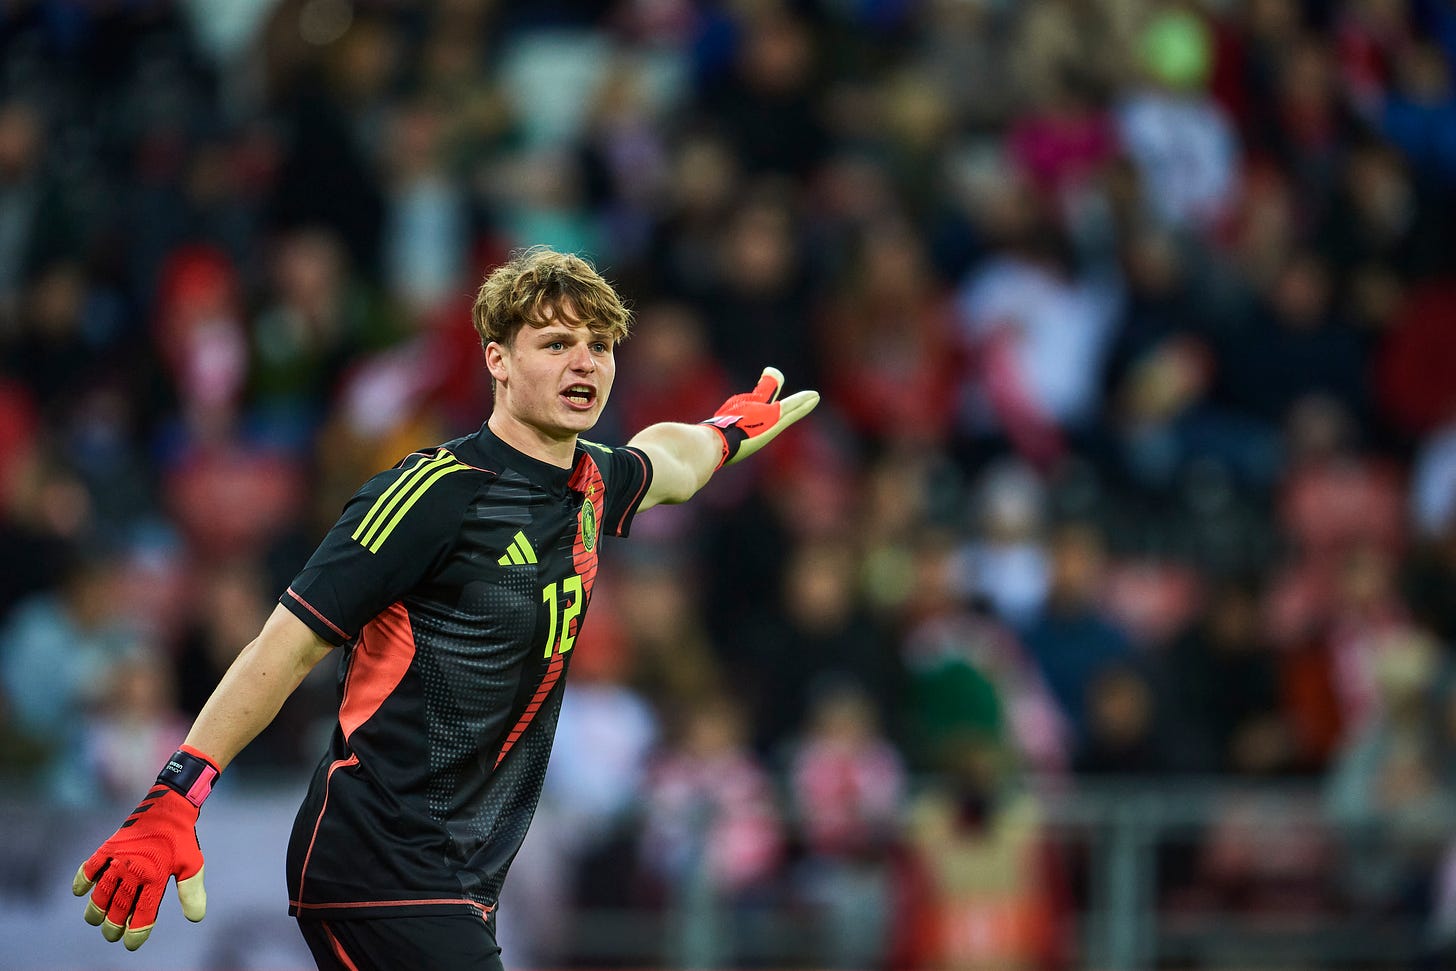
(888, 342)
(712, 834)
(847, 783)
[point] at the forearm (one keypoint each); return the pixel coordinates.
(684, 457)
(255, 686)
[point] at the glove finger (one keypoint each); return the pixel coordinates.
(101, 896)
(193, 896)
(119, 913)
(134, 938)
(81, 883)
(769, 385)
(90, 871)
(144, 917)
(796, 406)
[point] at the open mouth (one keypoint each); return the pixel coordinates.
(580, 396)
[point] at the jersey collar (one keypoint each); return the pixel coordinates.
(504, 456)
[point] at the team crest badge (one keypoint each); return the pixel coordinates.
(588, 525)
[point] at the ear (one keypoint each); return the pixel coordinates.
(497, 360)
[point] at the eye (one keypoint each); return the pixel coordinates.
(557, 345)
(601, 347)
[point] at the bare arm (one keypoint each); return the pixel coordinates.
(684, 458)
(255, 686)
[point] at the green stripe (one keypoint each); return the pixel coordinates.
(526, 549)
(393, 494)
(515, 555)
(505, 559)
(399, 484)
(414, 498)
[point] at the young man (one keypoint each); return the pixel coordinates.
(456, 583)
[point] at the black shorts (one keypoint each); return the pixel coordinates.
(442, 943)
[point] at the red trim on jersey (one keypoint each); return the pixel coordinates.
(339, 951)
(584, 475)
(587, 479)
(314, 610)
(384, 653)
(480, 908)
(548, 681)
(303, 873)
(638, 497)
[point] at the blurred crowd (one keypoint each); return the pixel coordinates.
(1136, 326)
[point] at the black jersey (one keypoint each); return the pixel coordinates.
(457, 583)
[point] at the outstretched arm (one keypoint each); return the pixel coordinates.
(127, 876)
(684, 457)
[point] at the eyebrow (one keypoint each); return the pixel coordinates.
(557, 333)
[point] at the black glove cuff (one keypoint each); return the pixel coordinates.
(191, 775)
(733, 436)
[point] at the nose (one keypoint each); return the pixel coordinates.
(582, 360)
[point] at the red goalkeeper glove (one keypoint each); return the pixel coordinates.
(750, 421)
(158, 841)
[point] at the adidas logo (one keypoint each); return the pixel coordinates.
(519, 553)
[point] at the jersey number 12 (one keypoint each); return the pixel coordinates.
(559, 618)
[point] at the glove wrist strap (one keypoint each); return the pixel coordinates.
(189, 773)
(733, 436)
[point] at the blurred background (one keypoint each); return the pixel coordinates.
(1102, 616)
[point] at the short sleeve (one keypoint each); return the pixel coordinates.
(626, 474)
(394, 533)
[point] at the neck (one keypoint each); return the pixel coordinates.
(532, 441)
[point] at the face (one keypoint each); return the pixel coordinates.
(553, 381)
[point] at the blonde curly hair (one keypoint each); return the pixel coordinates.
(539, 285)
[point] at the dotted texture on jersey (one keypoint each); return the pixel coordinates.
(469, 687)
(480, 663)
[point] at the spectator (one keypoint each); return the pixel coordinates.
(1124, 737)
(968, 674)
(229, 604)
(888, 341)
(58, 653)
(758, 298)
(712, 833)
(1295, 348)
(814, 635)
(766, 105)
(136, 725)
(1420, 114)
(987, 895)
(1223, 681)
(1039, 332)
(1389, 791)
(847, 782)
(1178, 137)
(1071, 640)
(1005, 560)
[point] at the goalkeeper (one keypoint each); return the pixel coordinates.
(456, 584)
